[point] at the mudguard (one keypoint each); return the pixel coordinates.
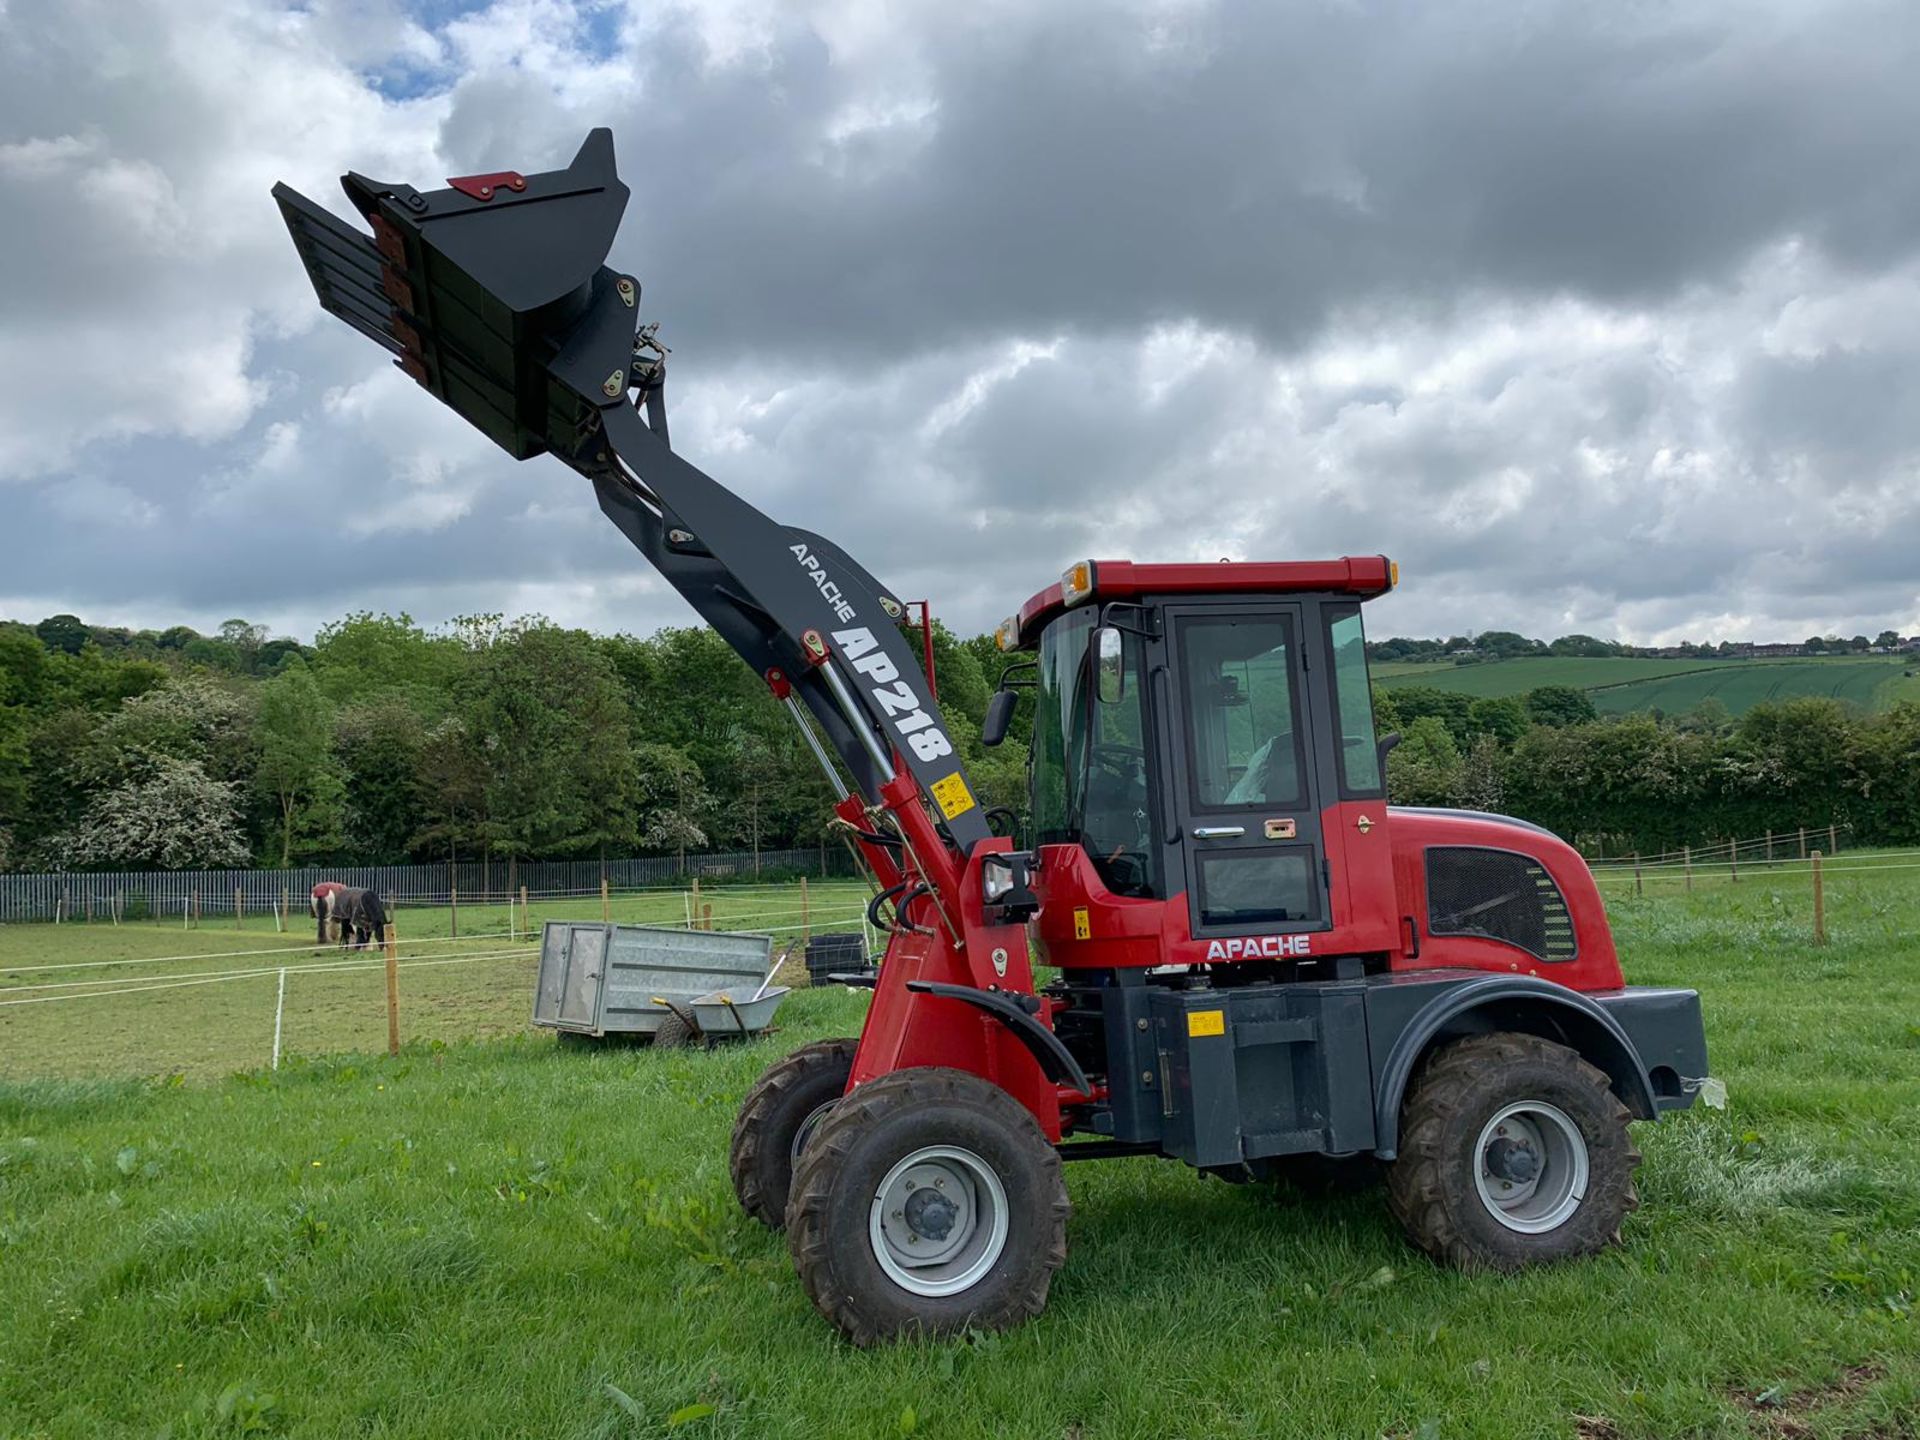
(1588, 1027)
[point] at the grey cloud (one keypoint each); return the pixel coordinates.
(1598, 318)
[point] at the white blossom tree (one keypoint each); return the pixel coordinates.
(174, 816)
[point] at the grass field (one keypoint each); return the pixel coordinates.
(505, 1238)
(1620, 685)
(71, 1002)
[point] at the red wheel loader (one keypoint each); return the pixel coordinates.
(1262, 968)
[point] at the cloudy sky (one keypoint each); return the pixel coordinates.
(1596, 317)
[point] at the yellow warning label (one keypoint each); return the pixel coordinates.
(1206, 1022)
(952, 796)
(1082, 926)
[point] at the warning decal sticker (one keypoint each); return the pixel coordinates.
(952, 796)
(1206, 1022)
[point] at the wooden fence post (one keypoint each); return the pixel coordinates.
(1819, 903)
(525, 918)
(1833, 839)
(806, 920)
(1733, 860)
(706, 916)
(453, 911)
(239, 908)
(1769, 847)
(393, 988)
(606, 908)
(196, 909)
(1803, 842)
(1686, 859)
(695, 923)
(286, 908)
(1637, 890)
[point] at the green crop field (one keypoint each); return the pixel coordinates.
(1740, 687)
(506, 1238)
(1619, 685)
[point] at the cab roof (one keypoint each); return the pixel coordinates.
(1362, 577)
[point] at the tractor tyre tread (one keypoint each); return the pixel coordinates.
(1432, 1195)
(760, 1155)
(849, 1290)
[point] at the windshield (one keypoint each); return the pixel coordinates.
(1089, 762)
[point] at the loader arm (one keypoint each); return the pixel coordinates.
(494, 295)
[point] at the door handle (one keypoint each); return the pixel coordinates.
(1218, 832)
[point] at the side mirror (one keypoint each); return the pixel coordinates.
(1109, 666)
(993, 725)
(1388, 743)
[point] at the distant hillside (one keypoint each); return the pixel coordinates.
(1619, 685)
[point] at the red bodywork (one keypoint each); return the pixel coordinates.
(1379, 912)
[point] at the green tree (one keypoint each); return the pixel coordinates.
(673, 799)
(1557, 705)
(1583, 645)
(1413, 703)
(380, 746)
(64, 634)
(1425, 768)
(293, 758)
(1888, 640)
(1502, 717)
(551, 719)
(363, 653)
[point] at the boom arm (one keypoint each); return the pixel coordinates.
(494, 295)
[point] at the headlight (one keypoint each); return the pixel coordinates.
(995, 881)
(1007, 635)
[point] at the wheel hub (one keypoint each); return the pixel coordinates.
(1530, 1167)
(1513, 1161)
(930, 1214)
(939, 1220)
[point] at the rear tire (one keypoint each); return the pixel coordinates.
(791, 1093)
(673, 1034)
(1514, 1151)
(935, 1158)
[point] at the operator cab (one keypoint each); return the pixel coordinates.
(1204, 730)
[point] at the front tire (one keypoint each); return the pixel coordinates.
(790, 1096)
(927, 1202)
(1513, 1152)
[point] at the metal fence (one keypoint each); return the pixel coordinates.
(83, 895)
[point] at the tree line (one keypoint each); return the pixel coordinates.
(383, 743)
(1647, 782)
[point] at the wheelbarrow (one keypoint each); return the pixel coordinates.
(734, 1013)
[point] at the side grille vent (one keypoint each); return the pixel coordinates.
(1497, 895)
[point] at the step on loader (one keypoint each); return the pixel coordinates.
(1263, 969)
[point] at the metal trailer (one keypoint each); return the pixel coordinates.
(598, 980)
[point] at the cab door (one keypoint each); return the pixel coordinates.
(1241, 752)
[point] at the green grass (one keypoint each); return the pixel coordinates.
(504, 1238)
(1622, 684)
(1741, 687)
(181, 1016)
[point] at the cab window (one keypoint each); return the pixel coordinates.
(1353, 703)
(1237, 675)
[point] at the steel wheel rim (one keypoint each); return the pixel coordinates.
(939, 1221)
(1545, 1199)
(807, 1126)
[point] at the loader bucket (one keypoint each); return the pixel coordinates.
(474, 288)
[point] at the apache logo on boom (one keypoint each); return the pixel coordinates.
(893, 695)
(830, 592)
